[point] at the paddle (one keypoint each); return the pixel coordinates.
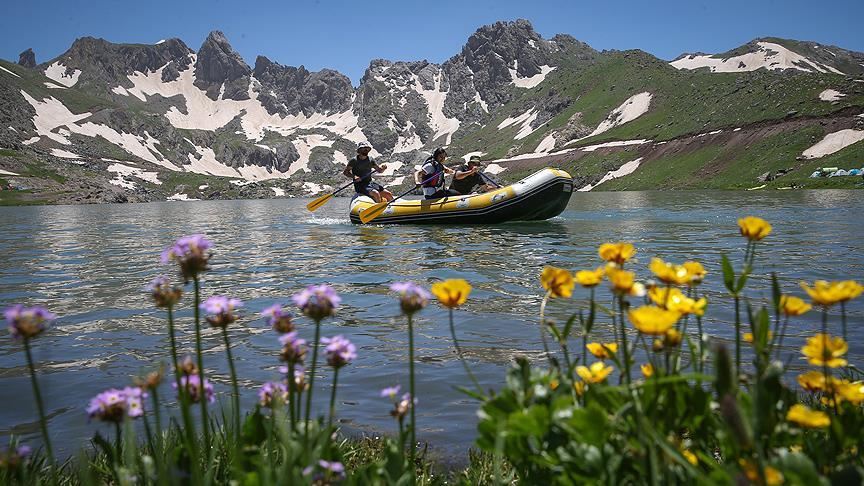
(377, 209)
(489, 179)
(320, 201)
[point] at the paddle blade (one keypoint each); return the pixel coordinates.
(373, 212)
(317, 203)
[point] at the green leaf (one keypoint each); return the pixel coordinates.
(569, 324)
(471, 393)
(776, 293)
(254, 432)
(592, 315)
(728, 274)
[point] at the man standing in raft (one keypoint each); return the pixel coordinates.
(360, 169)
(431, 176)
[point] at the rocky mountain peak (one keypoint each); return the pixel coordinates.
(27, 58)
(220, 70)
(291, 90)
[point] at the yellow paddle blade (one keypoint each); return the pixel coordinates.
(373, 212)
(317, 203)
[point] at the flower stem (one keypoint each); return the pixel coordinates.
(543, 326)
(234, 387)
(461, 357)
(624, 343)
(205, 418)
(158, 414)
(843, 319)
(311, 384)
(413, 450)
(292, 385)
(333, 398)
(43, 424)
(737, 334)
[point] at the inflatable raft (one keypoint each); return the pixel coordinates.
(539, 196)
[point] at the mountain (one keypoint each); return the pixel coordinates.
(134, 122)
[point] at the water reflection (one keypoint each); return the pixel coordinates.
(90, 263)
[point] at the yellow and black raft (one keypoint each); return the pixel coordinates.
(540, 196)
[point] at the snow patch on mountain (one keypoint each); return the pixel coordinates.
(635, 106)
(58, 72)
(831, 95)
(304, 146)
(435, 99)
(547, 144)
(124, 172)
(531, 81)
(834, 142)
(64, 154)
(768, 55)
(524, 122)
(8, 71)
(626, 169)
(180, 197)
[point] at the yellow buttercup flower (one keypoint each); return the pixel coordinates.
(696, 270)
(670, 273)
(814, 381)
(675, 300)
(793, 306)
(590, 278)
(602, 351)
(617, 252)
(553, 385)
(653, 320)
(451, 293)
(647, 370)
(824, 350)
(773, 477)
(807, 418)
(691, 458)
(850, 392)
(672, 338)
(755, 229)
(596, 373)
(557, 281)
(579, 387)
(830, 293)
(622, 281)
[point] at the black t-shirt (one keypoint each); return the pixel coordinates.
(362, 168)
(466, 185)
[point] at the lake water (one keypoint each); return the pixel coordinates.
(89, 264)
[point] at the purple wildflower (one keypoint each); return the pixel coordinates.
(299, 376)
(293, 348)
(340, 351)
(113, 405)
(220, 310)
(279, 318)
(401, 408)
(317, 301)
(164, 294)
(13, 457)
(27, 322)
(188, 366)
(412, 297)
(192, 385)
(191, 253)
(390, 391)
(270, 391)
(330, 470)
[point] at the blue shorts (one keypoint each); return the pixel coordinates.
(364, 188)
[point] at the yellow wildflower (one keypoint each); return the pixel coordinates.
(824, 350)
(579, 387)
(691, 458)
(590, 278)
(647, 370)
(696, 270)
(773, 477)
(558, 281)
(616, 252)
(830, 293)
(596, 373)
(653, 320)
(851, 392)
(813, 381)
(602, 351)
(451, 293)
(754, 228)
(675, 300)
(553, 385)
(793, 306)
(622, 281)
(807, 418)
(672, 338)
(670, 273)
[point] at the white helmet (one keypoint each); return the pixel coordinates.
(363, 145)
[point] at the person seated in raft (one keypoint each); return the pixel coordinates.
(431, 176)
(360, 169)
(468, 178)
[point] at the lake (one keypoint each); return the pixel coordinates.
(90, 264)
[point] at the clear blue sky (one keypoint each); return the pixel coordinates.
(346, 35)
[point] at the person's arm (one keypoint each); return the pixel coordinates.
(461, 174)
(448, 170)
(380, 167)
(347, 172)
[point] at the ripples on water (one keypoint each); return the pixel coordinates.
(89, 264)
